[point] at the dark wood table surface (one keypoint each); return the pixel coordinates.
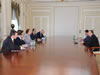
(56, 56)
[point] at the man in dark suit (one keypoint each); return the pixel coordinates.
(33, 34)
(20, 39)
(9, 44)
(94, 42)
(40, 35)
(86, 39)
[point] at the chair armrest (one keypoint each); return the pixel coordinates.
(94, 48)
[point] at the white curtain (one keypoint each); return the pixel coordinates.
(15, 14)
(14, 20)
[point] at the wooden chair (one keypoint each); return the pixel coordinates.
(97, 52)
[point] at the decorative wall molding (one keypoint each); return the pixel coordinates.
(88, 14)
(87, 10)
(41, 24)
(41, 10)
(54, 4)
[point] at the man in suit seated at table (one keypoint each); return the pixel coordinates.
(87, 36)
(40, 35)
(92, 41)
(33, 34)
(9, 43)
(20, 39)
(86, 39)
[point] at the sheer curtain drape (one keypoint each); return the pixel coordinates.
(15, 15)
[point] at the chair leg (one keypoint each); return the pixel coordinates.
(86, 49)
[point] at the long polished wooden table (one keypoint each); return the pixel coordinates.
(56, 56)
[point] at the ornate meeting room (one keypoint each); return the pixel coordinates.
(49, 37)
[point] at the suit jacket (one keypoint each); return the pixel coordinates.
(19, 41)
(9, 45)
(27, 39)
(33, 36)
(40, 35)
(93, 42)
(87, 41)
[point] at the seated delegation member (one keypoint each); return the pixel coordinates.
(27, 37)
(9, 44)
(87, 36)
(94, 42)
(40, 35)
(20, 39)
(33, 34)
(86, 39)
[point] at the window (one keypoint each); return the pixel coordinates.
(14, 20)
(15, 15)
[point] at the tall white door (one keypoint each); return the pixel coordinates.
(92, 23)
(41, 22)
(66, 21)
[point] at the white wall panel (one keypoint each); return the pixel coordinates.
(66, 21)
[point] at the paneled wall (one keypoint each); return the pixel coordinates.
(85, 16)
(66, 21)
(90, 19)
(5, 16)
(40, 18)
(43, 15)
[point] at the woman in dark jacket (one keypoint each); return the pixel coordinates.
(20, 39)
